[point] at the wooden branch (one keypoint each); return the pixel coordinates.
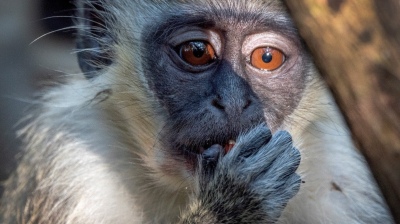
(356, 44)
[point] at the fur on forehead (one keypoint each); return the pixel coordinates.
(146, 11)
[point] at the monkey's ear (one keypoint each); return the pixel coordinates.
(93, 39)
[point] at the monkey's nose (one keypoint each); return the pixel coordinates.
(231, 105)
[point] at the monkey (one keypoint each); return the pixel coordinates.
(190, 111)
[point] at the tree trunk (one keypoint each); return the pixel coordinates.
(356, 44)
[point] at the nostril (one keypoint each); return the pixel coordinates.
(248, 103)
(216, 103)
(239, 105)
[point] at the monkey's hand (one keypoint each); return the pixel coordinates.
(251, 184)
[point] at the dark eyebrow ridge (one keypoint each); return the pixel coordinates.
(265, 21)
(175, 22)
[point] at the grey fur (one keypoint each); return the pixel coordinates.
(251, 184)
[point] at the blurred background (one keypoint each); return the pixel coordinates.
(35, 47)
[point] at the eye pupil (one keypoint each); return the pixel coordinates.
(267, 57)
(198, 49)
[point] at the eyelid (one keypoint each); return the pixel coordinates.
(287, 46)
(266, 39)
(197, 34)
(188, 36)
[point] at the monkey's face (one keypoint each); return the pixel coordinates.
(219, 71)
(216, 69)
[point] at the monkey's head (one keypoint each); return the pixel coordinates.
(201, 72)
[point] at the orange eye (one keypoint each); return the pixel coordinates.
(267, 58)
(197, 53)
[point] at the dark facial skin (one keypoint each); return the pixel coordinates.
(213, 103)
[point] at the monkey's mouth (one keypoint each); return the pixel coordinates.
(227, 146)
(224, 147)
